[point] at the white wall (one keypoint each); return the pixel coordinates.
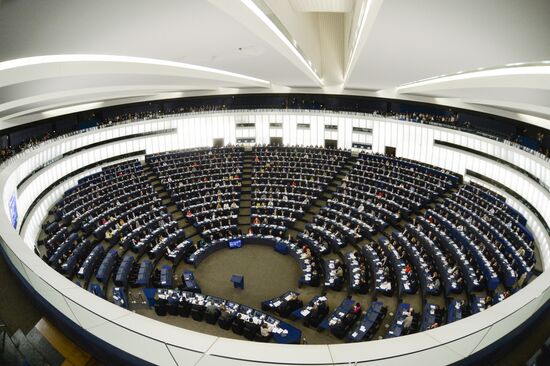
(164, 344)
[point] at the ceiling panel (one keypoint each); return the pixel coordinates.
(413, 40)
(190, 31)
(408, 41)
(331, 6)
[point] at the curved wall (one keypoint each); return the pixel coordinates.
(159, 343)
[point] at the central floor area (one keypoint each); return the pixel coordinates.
(266, 274)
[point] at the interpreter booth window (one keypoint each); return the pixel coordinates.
(358, 145)
(331, 144)
(390, 151)
(246, 140)
(245, 125)
(362, 130)
(276, 141)
(218, 142)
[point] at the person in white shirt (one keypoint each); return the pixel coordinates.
(265, 330)
(408, 320)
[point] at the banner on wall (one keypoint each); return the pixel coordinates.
(13, 210)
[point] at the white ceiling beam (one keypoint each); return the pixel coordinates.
(322, 6)
(71, 94)
(523, 77)
(35, 115)
(251, 16)
(366, 12)
(33, 109)
(54, 66)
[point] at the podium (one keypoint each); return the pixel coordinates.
(238, 281)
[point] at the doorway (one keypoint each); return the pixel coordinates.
(277, 141)
(390, 151)
(331, 144)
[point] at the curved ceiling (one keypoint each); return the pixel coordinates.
(485, 55)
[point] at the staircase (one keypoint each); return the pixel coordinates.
(42, 345)
(313, 210)
(175, 213)
(246, 191)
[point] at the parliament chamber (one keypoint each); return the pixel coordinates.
(426, 232)
(330, 245)
(261, 182)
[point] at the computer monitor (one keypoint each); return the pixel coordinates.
(237, 243)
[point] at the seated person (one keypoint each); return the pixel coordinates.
(251, 329)
(408, 320)
(294, 302)
(265, 331)
(436, 281)
(338, 327)
(211, 310)
(339, 271)
(290, 305)
(349, 319)
(318, 312)
(238, 324)
(225, 319)
(357, 232)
